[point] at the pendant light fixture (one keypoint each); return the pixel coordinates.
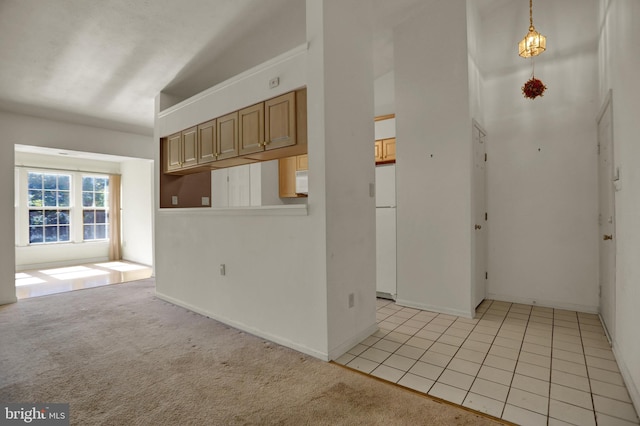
(533, 43)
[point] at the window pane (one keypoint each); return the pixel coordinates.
(87, 183)
(35, 234)
(50, 181)
(35, 198)
(64, 182)
(50, 198)
(101, 184)
(63, 199)
(36, 217)
(63, 217)
(49, 224)
(64, 233)
(87, 199)
(100, 199)
(101, 232)
(88, 232)
(101, 216)
(50, 234)
(88, 217)
(50, 217)
(35, 180)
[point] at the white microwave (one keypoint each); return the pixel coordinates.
(302, 182)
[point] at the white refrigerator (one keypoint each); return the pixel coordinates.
(386, 231)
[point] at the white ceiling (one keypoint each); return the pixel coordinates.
(103, 62)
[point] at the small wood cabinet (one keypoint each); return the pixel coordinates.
(251, 129)
(287, 168)
(181, 150)
(227, 136)
(385, 150)
(280, 121)
(207, 148)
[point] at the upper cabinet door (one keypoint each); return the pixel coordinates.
(227, 135)
(251, 129)
(207, 142)
(378, 150)
(280, 121)
(190, 147)
(389, 149)
(173, 152)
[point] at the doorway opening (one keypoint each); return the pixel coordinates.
(67, 225)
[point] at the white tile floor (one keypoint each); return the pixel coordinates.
(525, 364)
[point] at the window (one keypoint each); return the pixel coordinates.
(49, 207)
(95, 207)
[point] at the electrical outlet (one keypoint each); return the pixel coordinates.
(205, 201)
(351, 300)
(274, 82)
(174, 200)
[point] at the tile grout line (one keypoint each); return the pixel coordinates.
(516, 366)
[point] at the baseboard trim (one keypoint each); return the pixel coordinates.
(8, 301)
(632, 386)
(241, 326)
(544, 303)
(336, 353)
(433, 308)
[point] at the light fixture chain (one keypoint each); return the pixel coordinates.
(530, 13)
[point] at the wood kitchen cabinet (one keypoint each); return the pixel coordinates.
(207, 148)
(385, 150)
(181, 150)
(287, 168)
(269, 130)
(280, 121)
(268, 125)
(227, 136)
(251, 129)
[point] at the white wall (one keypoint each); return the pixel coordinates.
(542, 171)
(433, 152)
(340, 87)
(619, 37)
(288, 276)
(24, 130)
(474, 51)
(137, 210)
(385, 97)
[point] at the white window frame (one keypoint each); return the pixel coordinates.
(21, 201)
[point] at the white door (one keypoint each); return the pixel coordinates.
(479, 215)
(386, 252)
(607, 248)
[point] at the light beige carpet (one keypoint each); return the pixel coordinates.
(120, 356)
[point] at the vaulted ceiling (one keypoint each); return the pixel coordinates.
(103, 62)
